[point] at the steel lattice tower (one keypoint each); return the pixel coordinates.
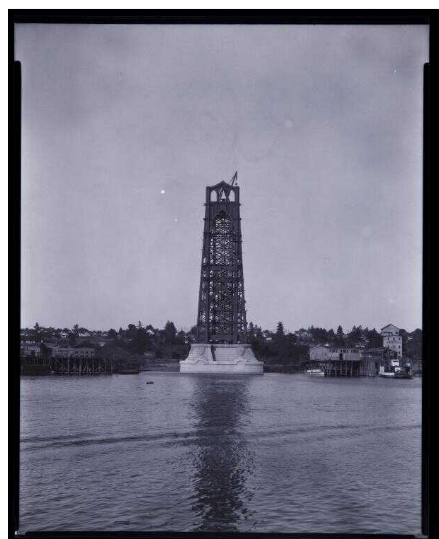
(221, 303)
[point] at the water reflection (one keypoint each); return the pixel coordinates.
(223, 459)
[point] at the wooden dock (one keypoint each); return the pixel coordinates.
(364, 366)
(39, 366)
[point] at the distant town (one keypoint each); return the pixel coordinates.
(282, 351)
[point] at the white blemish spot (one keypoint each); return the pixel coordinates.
(288, 124)
(162, 191)
(366, 231)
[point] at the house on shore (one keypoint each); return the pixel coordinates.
(351, 361)
(325, 352)
(30, 348)
(83, 352)
(392, 339)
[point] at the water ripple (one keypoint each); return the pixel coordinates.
(259, 454)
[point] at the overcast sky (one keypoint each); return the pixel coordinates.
(124, 126)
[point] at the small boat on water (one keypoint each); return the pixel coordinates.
(150, 382)
(396, 373)
(315, 372)
(386, 374)
(405, 373)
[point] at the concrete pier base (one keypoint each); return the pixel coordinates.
(205, 358)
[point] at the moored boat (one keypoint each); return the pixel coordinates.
(315, 372)
(396, 373)
(386, 374)
(405, 373)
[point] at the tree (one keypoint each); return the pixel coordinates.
(404, 340)
(45, 350)
(280, 330)
(170, 332)
(355, 335)
(112, 334)
(374, 339)
(414, 345)
(114, 351)
(180, 338)
(76, 329)
(86, 343)
(140, 342)
(193, 332)
(251, 331)
(268, 335)
(131, 331)
(282, 345)
(319, 335)
(291, 339)
(37, 330)
(258, 333)
(339, 339)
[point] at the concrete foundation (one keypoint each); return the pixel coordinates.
(221, 359)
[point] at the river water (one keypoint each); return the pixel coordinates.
(272, 453)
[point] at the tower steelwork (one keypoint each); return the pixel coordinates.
(221, 303)
(221, 324)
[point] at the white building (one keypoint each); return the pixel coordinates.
(392, 339)
(320, 352)
(324, 352)
(343, 353)
(30, 349)
(65, 351)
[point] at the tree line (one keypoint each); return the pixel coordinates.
(285, 347)
(278, 346)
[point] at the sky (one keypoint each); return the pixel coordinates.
(123, 127)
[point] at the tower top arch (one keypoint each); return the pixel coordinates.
(222, 192)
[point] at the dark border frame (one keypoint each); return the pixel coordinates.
(215, 16)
